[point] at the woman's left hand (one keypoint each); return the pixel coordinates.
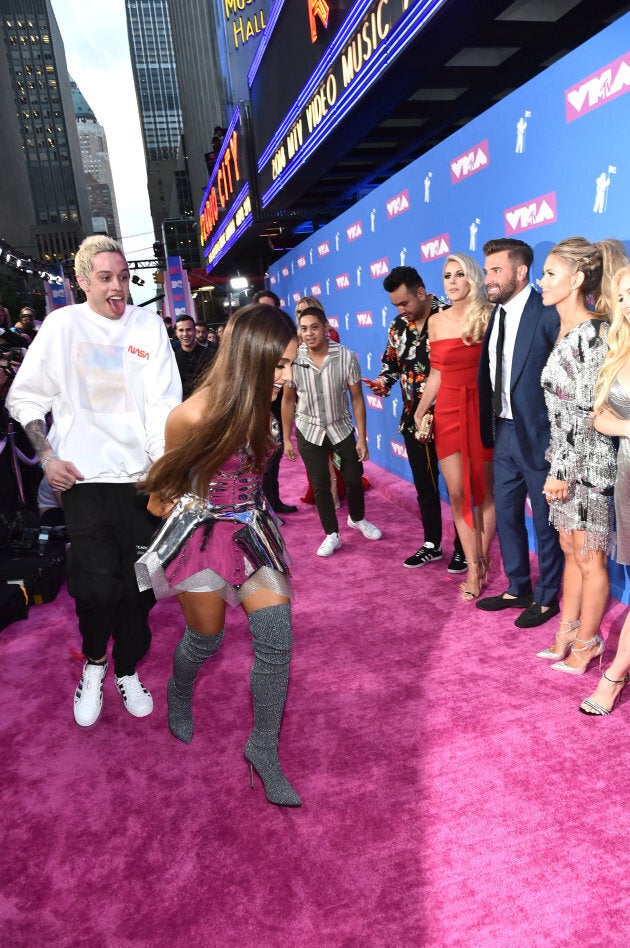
(555, 489)
(157, 507)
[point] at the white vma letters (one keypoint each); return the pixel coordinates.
(609, 82)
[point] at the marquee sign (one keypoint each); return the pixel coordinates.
(244, 19)
(372, 34)
(226, 208)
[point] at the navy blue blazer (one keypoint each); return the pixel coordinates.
(535, 338)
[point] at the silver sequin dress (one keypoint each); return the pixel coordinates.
(619, 401)
(578, 453)
(235, 551)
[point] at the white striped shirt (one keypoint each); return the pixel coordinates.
(322, 393)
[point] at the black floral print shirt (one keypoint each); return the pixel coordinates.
(406, 360)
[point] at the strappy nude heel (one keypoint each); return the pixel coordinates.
(468, 593)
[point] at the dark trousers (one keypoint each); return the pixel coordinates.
(514, 479)
(315, 457)
(424, 470)
(271, 485)
(109, 529)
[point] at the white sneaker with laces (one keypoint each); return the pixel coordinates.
(330, 543)
(137, 698)
(88, 698)
(369, 531)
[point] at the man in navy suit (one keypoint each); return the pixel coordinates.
(514, 421)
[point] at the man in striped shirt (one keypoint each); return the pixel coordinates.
(323, 374)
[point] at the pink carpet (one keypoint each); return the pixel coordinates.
(453, 795)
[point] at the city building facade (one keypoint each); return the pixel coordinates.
(48, 189)
(98, 172)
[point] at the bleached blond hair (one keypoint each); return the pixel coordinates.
(618, 344)
(478, 308)
(97, 243)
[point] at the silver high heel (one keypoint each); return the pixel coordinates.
(598, 709)
(586, 645)
(558, 656)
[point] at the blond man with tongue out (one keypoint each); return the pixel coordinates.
(106, 372)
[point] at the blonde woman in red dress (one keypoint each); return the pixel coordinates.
(455, 336)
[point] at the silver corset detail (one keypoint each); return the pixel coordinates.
(236, 490)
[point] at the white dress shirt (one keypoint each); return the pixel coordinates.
(513, 312)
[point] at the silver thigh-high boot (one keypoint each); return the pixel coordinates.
(269, 678)
(191, 652)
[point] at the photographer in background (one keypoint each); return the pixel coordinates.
(11, 336)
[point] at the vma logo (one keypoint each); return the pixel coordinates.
(354, 231)
(317, 10)
(333, 321)
(470, 162)
(374, 401)
(323, 249)
(399, 450)
(435, 248)
(397, 205)
(379, 268)
(342, 281)
(296, 296)
(598, 89)
(273, 280)
(301, 262)
(285, 271)
(536, 213)
(365, 319)
(316, 289)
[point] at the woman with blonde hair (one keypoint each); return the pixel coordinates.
(614, 257)
(612, 417)
(220, 544)
(455, 336)
(579, 486)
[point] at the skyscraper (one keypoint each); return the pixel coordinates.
(153, 66)
(98, 172)
(203, 79)
(42, 120)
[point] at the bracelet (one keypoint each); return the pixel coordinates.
(43, 463)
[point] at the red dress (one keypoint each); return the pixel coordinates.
(457, 415)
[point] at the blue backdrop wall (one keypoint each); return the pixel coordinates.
(549, 161)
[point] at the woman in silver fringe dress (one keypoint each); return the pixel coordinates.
(579, 486)
(612, 417)
(220, 544)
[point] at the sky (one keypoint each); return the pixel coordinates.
(97, 53)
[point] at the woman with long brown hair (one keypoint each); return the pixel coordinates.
(220, 544)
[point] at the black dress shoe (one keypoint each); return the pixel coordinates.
(497, 603)
(284, 508)
(534, 615)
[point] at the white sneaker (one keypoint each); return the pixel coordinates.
(137, 698)
(88, 698)
(330, 543)
(369, 531)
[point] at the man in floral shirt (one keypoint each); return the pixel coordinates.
(406, 360)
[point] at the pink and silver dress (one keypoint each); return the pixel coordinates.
(227, 543)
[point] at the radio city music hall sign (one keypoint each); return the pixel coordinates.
(223, 188)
